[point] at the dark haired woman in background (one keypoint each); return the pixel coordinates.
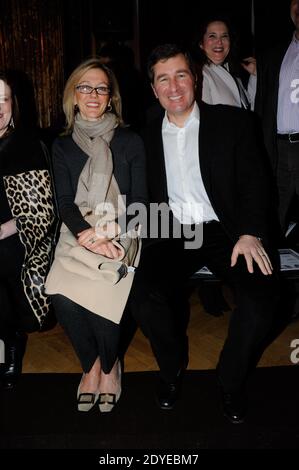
(221, 81)
(26, 235)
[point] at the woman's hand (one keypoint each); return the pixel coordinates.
(93, 241)
(8, 228)
(249, 64)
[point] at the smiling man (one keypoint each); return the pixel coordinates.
(203, 156)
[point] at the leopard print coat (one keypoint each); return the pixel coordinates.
(30, 198)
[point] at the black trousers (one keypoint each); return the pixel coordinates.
(287, 178)
(15, 311)
(159, 304)
(91, 335)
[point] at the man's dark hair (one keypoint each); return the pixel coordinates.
(167, 51)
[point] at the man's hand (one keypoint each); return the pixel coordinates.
(252, 249)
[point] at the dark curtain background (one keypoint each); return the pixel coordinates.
(31, 43)
(46, 39)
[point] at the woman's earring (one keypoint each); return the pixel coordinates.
(12, 124)
(109, 107)
(76, 109)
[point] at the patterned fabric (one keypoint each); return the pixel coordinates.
(30, 198)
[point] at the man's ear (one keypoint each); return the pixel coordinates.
(153, 88)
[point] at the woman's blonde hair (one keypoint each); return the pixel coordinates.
(74, 79)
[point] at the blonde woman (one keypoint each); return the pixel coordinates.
(98, 161)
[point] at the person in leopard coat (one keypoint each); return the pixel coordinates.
(27, 220)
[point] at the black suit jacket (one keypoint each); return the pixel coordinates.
(232, 167)
(266, 101)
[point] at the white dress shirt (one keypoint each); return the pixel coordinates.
(188, 198)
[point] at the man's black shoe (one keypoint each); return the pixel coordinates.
(234, 406)
(168, 394)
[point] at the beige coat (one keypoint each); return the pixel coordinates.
(75, 274)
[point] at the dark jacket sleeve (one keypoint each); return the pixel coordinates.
(253, 180)
(130, 172)
(64, 175)
(138, 191)
(258, 103)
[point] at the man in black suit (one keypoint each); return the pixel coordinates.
(205, 166)
(277, 103)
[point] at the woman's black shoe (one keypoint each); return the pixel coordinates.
(14, 353)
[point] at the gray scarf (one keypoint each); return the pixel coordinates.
(96, 182)
(99, 284)
(98, 196)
